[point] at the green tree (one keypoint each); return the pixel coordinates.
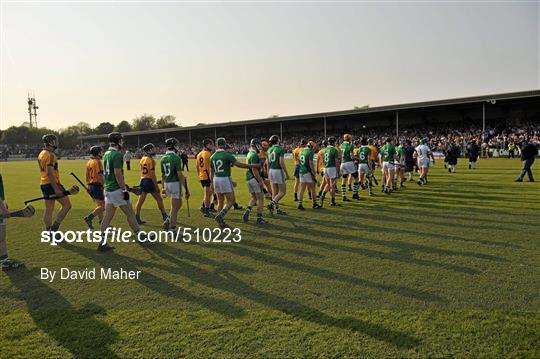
(123, 126)
(167, 121)
(104, 128)
(144, 122)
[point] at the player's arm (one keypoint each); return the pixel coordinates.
(282, 164)
(120, 178)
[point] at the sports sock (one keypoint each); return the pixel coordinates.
(55, 226)
(4, 258)
(223, 212)
(300, 202)
(355, 188)
(90, 216)
(248, 208)
(343, 190)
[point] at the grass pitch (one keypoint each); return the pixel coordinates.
(450, 269)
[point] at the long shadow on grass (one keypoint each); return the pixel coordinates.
(402, 256)
(227, 282)
(77, 330)
(163, 287)
(324, 273)
(401, 245)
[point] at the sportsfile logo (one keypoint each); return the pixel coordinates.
(117, 235)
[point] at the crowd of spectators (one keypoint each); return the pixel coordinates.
(495, 138)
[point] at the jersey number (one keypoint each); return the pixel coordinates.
(167, 168)
(272, 157)
(218, 166)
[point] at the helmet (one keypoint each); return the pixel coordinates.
(364, 141)
(171, 143)
(207, 142)
(331, 140)
(303, 142)
(222, 143)
(47, 139)
(347, 137)
(312, 144)
(115, 137)
(274, 140)
(388, 139)
(255, 142)
(325, 143)
(148, 147)
(357, 142)
(370, 141)
(265, 145)
(95, 150)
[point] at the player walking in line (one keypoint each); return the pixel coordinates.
(307, 174)
(320, 168)
(348, 167)
(278, 174)
(7, 263)
(172, 179)
(221, 163)
(255, 182)
(364, 165)
(473, 151)
(50, 184)
(295, 154)
(267, 189)
(116, 193)
(529, 151)
(452, 154)
(94, 181)
(387, 156)
(423, 155)
(400, 165)
(203, 168)
(149, 183)
(374, 158)
(409, 160)
(330, 158)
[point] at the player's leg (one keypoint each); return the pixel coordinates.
(48, 213)
(138, 207)
(344, 180)
(252, 202)
(176, 204)
(356, 185)
(62, 213)
(160, 204)
(302, 190)
(296, 182)
(260, 207)
(383, 177)
(229, 201)
(6, 262)
(108, 215)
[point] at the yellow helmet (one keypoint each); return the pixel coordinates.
(347, 137)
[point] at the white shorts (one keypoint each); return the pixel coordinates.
(277, 176)
(423, 163)
(363, 168)
(387, 166)
(306, 178)
(173, 190)
(254, 186)
(330, 172)
(223, 185)
(347, 168)
(116, 198)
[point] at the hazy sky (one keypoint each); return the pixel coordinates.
(214, 62)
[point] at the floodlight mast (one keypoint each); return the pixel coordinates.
(32, 109)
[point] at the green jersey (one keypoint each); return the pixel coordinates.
(400, 151)
(222, 162)
(111, 160)
(363, 154)
(346, 149)
(2, 195)
(330, 156)
(303, 158)
(274, 154)
(252, 158)
(388, 151)
(170, 165)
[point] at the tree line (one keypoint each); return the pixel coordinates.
(69, 136)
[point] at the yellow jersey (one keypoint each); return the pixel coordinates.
(203, 164)
(94, 171)
(320, 164)
(148, 167)
(48, 159)
(373, 155)
(295, 154)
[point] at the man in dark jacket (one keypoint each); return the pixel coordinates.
(528, 153)
(473, 150)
